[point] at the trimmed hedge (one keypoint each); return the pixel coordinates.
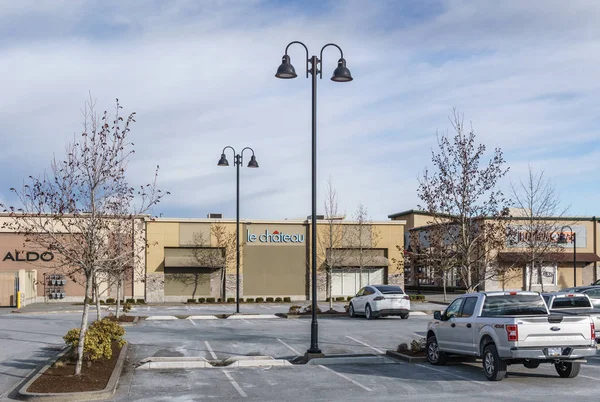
(250, 300)
(270, 300)
(140, 301)
(349, 298)
(231, 300)
(417, 297)
(202, 300)
(278, 299)
(210, 299)
(191, 300)
(110, 300)
(287, 299)
(260, 299)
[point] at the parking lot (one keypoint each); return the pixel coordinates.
(27, 340)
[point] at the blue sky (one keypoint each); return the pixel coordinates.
(200, 76)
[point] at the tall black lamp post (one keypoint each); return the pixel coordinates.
(562, 239)
(237, 161)
(340, 74)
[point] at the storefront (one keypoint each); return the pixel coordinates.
(195, 258)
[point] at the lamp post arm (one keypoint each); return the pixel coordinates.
(305, 48)
(321, 56)
(230, 147)
(242, 154)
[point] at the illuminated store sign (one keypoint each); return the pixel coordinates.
(29, 256)
(275, 237)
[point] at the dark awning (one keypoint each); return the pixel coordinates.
(194, 257)
(554, 257)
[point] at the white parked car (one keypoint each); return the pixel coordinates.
(374, 301)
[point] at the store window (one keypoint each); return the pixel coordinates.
(548, 275)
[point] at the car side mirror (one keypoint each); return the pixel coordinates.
(437, 315)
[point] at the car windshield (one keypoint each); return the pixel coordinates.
(389, 289)
(514, 305)
(571, 302)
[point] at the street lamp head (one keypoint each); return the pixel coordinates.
(253, 163)
(562, 238)
(223, 161)
(341, 73)
(286, 70)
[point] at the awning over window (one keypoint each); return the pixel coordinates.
(194, 257)
(567, 256)
(353, 258)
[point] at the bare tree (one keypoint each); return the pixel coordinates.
(72, 209)
(226, 240)
(463, 196)
(362, 237)
(330, 243)
(538, 218)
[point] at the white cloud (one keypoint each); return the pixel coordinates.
(200, 76)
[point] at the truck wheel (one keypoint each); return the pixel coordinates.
(351, 311)
(568, 369)
(434, 355)
(404, 316)
(493, 367)
(369, 313)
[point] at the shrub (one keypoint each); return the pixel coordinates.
(210, 299)
(417, 345)
(219, 300)
(340, 298)
(270, 300)
(403, 347)
(250, 300)
(417, 297)
(260, 299)
(349, 298)
(130, 301)
(140, 301)
(308, 309)
(201, 300)
(126, 307)
(241, 299)
(191, 300)
(231, 300)
(327, 299)
(295, 309)
(101, 301)
(98, 339)
(122, 302)
(278, 299)
(287, 299)
(110, 300)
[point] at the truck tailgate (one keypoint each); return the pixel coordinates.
(554, 330)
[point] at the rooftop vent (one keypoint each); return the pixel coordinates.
(319, 217)
(215, 216)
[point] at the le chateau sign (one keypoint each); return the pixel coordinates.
(28, 256)
(275, 237)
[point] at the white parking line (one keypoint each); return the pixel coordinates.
(210, 350)
(192, 321)
(454, 375)
(347, 378)
(366, 344)
(267, 308)
(235, 385)
(588, 377)
(289, 347)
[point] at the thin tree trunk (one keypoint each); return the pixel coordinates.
(330, 289)
(84, 325)
(97, 294)
(117, 312)
(444, 285)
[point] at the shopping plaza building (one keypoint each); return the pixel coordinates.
(196, 258)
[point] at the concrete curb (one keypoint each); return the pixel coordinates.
(203, 317)
(105, 393)
(160, 363)
(130, 324)
(406, 358)
(375, 359)
(251, 316)
(161, 318)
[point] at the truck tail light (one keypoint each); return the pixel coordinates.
(379, 298)
(512, 331)
(593, 331)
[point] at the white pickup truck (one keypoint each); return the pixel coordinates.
(574, 304)
(506, 328)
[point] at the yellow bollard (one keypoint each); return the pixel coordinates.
(18, 299)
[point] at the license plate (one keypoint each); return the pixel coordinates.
(554, 351)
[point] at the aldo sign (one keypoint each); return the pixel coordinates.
(29, 256)
(274, 237)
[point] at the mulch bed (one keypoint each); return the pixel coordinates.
(122, 318)
(61, 377)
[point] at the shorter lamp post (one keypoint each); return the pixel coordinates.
(237, 161)
(562, 239)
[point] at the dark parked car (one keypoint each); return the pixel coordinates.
(593, 292)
